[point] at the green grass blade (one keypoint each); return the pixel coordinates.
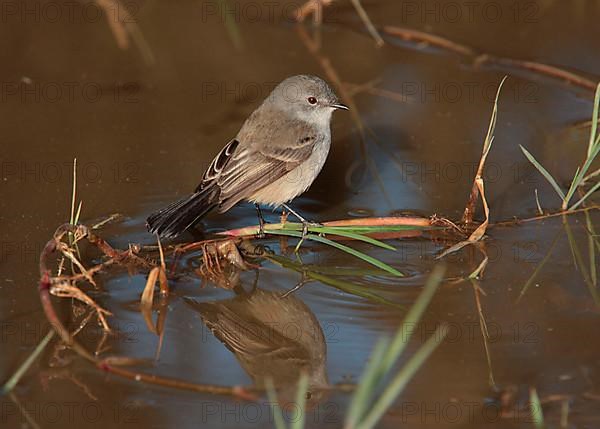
(73, 192)
(592, 151)
(24, 412)
(344, 271)
(489, 138)
(413, 317)
(78, 213)
(592, 157)
(14, 379)
(349, 250)
(592, 175)
(573, 187)
(272, 228)
(354, 289)
(362, 398)
(580, 264)
(582, 174)
(485, 335)
(343, 285)
(400, 381)
(301, 401)
(359, 229)
(544, 172)
(272, 394)
(564, 414)
(587, 194)
(537, 270)
(231, 25)
(591, 248)
(595, 115)
(537, 414)
(373, 261)
(354, 232)
(355, 236)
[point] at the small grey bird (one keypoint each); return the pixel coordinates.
(276, 155)
(271, 337)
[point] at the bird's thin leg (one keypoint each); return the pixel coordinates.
(305, 223)
(289, 209)
(261, 221)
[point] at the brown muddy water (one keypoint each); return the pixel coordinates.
(144, 126)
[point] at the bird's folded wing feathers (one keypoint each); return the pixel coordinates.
(254, 166)
(247, 336)
(218, 164)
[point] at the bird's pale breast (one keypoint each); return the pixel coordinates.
(297, 180)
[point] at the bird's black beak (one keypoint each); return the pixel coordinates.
(339, 106)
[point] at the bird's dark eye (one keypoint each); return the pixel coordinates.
(312, 100)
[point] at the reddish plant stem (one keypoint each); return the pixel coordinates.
(44, 286)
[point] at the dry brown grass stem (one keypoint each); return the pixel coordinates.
(315, 8)
(421, 38)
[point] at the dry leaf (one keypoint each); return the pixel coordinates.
(148, 298)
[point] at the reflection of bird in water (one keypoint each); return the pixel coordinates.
(272, 337)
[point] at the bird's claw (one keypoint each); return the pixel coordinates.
(304, 230)
(306, 225)
(261, 231)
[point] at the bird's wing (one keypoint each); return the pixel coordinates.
(245, 335)
(265, 155)
(216, 166)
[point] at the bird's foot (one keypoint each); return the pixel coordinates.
(261, 223)
(261, 231)
(306, 224)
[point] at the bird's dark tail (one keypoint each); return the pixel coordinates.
(180, 215)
